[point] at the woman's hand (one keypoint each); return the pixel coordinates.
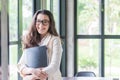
(31, 77)
(39, 73)
(26, 71)
(34, 73)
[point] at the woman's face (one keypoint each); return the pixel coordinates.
(42, 24)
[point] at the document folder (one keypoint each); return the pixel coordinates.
(36, 57)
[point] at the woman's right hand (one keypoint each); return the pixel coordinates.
(27, 71)
(40, 74)
(34, 73)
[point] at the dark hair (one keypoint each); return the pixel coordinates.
(33, 37)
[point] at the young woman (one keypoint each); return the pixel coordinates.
(42, 32)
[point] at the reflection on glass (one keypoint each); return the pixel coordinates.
(13, 20)
(13, 61)
(87, 55)
(112, 17)
(112, 57)
(88, 17)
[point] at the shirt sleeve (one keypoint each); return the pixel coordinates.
(21, 64)
(56, 57)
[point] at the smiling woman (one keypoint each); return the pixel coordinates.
(42, 24)
(42, 32)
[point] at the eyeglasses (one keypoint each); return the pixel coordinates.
(44, 22)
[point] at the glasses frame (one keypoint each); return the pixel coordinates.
(44, 22)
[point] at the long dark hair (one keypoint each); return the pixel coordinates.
(32, 38)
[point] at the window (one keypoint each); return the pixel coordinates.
(19, 20)
(27, 13)
(88, 49)
(13, 38)
(112, 44)
(97, 37)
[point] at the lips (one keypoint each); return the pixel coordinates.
(43, 29)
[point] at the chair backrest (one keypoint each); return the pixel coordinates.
(85, 74)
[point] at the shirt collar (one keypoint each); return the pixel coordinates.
(45, 39)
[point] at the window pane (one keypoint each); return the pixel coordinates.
(88, 17)
(48, 5)
(112, 17)
(13, 50)
(63, 60)
(56, 13)
(112, 57)
(27, 14)
(87, 55)
(13, 20)
(53, 5)
(0, 40)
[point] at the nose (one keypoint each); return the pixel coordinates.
(40, 24)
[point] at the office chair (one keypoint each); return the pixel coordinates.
(85, 74)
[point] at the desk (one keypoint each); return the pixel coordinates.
(89, 78)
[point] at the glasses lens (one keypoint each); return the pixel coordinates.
(44, 22)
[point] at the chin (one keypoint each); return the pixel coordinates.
(43, 33)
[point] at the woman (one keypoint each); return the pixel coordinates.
(42, 32)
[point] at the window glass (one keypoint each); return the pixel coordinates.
(26, 17)
(53, 5)
(48, 4)
(88, 24)
(112, 17)
(27, 13)
(87, 55)
(13, 57)
(13, 37)
(112, 57)
(88, 17)
(63, 60)
(56, 13)
(13, 20)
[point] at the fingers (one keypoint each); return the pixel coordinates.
(30, 77)
(42, 75)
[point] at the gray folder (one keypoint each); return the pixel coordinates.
(36, 57)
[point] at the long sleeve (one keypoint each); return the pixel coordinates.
(21, 64)
(54, 65)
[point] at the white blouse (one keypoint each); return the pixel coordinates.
(54, 54)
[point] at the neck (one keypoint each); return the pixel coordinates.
(43, 35)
